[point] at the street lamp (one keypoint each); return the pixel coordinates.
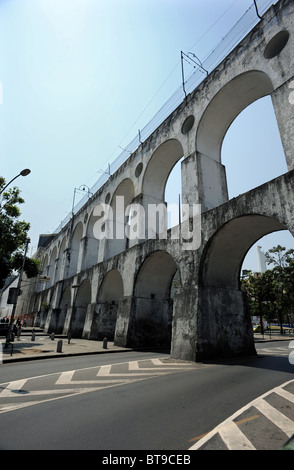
(24, 172)
(80, 189)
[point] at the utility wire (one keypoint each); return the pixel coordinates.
(162, 85)
(177, 65)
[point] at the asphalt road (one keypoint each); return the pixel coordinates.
(56, 403)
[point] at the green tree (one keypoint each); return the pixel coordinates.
(279, 256)
(282, 282)
(271, 294)
(13, 235)
(257, 287)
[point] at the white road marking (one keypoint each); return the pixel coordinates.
(231, 440)
(283, 393)
(105, 379)
(12, 387)
(280, 420)
(234, 438)
(65, 378)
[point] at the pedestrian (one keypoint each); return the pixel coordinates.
(18, 332)
(24, 322)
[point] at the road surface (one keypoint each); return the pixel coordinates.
(148, 401)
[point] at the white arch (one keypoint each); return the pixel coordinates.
(122, 197)
(153, 305)
(227, 248)
(159, 167)
(111, 289)
(226, 105)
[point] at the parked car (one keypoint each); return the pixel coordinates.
(4, 329)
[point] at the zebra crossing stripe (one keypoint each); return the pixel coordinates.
(234, 438)
(283, 393)
(280, 420)
(134, 365)
(135, 370)
(105, 371)
(66, 378)
(9, 391)
(66, 385)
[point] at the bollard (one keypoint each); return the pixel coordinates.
(33, 335)
(105, 343)
(68, 338)
(59, 346)
(52, 336)
(9, 344)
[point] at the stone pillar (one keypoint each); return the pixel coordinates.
(88, 325)
(67, 322)
(52, 321)
(141, 222)
(184, 323)
(223, 325)
(124, 322)
(209, 323)
(283, 102)
(150, 219)
(65, 260)
(203, 181)
(82, 254)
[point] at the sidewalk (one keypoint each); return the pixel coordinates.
(43, 347)
(266, 338)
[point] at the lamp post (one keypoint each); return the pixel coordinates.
(80, 189)
(24, 172)
(9, 333)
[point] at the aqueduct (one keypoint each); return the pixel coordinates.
(156, 291)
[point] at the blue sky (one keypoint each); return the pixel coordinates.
(80, 77)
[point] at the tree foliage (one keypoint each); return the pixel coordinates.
(13, 235)
(271, 294)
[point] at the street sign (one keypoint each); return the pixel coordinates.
(13, 294)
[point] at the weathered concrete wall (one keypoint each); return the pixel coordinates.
(224, 325)
(209, 316)
(152, 325)
(283, 103)
(184, 330)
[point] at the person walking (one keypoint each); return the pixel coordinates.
(18, 332)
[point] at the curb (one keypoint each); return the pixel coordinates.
(58, 355)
